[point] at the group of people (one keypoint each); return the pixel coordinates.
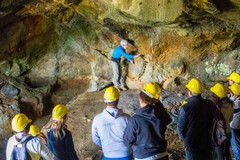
(195, 122)
(142, 135)
(29, 143)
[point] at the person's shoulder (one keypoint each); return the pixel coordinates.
(12, 140)
(186, 105)
(135, 116)
(98, 116)
(209, 102)
(119, 48)
(68, 132)
(34, 141)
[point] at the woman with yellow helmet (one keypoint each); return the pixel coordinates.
(60, 141)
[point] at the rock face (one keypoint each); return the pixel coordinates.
(58, 49)
(45, 41)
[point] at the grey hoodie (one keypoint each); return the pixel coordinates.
(107, 132)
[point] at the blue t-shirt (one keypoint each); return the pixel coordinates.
(119, 51)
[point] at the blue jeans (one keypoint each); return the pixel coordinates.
(226, 147)
(159, 156)
(235, 141)
(130, 157)
(199, 156)
(218, 153)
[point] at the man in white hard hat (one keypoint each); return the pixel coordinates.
(118, 52)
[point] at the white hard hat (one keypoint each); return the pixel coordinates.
(124, 42)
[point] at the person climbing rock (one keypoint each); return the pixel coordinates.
(122, 50)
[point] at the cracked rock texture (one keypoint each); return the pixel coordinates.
(52, 50)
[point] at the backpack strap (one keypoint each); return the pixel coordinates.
(25, 139)
(20, 152)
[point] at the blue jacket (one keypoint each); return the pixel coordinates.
(145, 131)
(63, 149)
(119, 51)
(194, 124)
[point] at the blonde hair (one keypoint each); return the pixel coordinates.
(59, 126)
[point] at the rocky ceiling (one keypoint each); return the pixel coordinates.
(45, 40)
(52, 49)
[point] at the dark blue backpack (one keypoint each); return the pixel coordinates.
(20, 151)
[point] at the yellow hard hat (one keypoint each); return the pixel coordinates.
(195, 86)
(234, 77)
(19, 122)
(111, 94)
(59, 111)
(152, 90)
(34, 130)
(235, 88)
(220, 90)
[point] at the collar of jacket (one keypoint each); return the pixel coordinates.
(146, 111)
(194, 98)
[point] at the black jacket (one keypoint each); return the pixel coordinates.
(145, 131)
(194, 124)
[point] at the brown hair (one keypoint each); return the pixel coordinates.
(146, 99)
(114, 103)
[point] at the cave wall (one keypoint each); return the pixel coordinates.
(60, 39)
(45, 44)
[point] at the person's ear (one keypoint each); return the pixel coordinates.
(189, 93)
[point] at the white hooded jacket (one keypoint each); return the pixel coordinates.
(35, 147)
